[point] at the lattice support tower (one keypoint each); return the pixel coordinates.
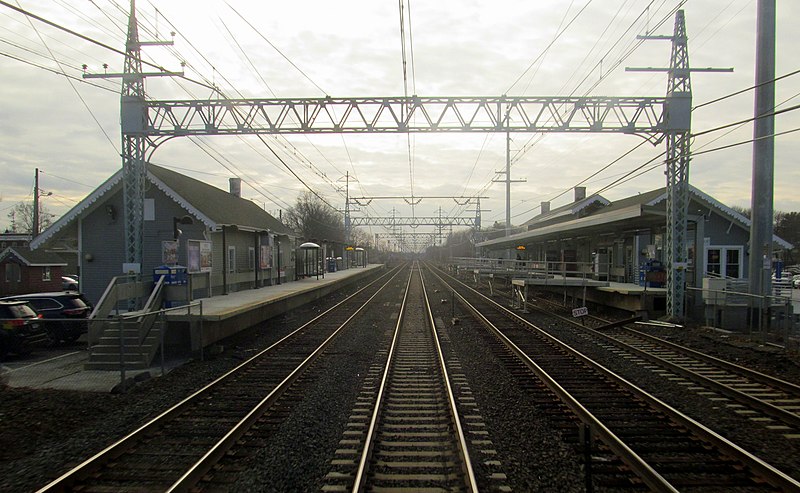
(678, 123)
(147, 123)
(134, 119)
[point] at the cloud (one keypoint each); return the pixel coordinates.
(353, 49)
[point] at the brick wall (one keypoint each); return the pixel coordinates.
(31, 280)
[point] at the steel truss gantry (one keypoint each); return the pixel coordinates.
(639, 115)
(410, 242)
(413, 222)
(148, 123)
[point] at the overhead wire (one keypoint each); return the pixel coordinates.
(618, 62)
(285, 165)
(87, 38)
(75, 89)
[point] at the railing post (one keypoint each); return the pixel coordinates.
(121, 324)
(788, 317)
(201, 331)
(162, 329)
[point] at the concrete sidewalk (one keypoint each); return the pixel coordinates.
(66, 372)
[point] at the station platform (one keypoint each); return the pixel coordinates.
(647, 302)
(222, 316)
(225, 315)
(560, 281)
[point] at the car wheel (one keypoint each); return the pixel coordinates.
(52, 338)
(71, 338)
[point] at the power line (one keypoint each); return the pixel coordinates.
(746, 89)
(90, 40)
(558, 35)
(275, 48)
(75, 89)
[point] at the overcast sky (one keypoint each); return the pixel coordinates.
(69, 129)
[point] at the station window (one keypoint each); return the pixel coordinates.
(231, 259)
(45, 273)
(724, 261)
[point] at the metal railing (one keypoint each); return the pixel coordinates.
(537, 268)
(768, 317)
(147, 347)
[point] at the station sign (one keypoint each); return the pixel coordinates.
(580, 312)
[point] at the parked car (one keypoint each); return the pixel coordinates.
(20, 328)
(69, 283)
(64, 313)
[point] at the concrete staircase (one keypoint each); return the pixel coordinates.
(131, 339)
(136, 353)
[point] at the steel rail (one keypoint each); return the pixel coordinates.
(654, 480)
(768, 472)
(748, 372)
(369, 441)
(64, 481)
(462, 440)
(772, 410)
(359, 484)
(201, 467)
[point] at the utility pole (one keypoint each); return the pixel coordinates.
(760, 260)
(37, 219)
(508, 181)
(35, 225)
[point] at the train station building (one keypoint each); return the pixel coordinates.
(623, 241)
(223, 242)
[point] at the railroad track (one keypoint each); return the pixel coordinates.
(405, 432)
(765, 400)
(173, 451)
(642, 440)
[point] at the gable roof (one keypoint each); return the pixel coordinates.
(623, 209)
(33, 258)
(565, 211)
(213, 206)
(210, 205)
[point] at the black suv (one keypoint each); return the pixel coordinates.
(20, 328)
(67, 313)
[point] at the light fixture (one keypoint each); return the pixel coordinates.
(180, 220)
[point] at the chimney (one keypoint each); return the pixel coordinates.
(545, 207)
(580, 193)
(236, 187)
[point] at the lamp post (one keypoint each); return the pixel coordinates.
(176, 232)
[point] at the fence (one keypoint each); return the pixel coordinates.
(766, 318)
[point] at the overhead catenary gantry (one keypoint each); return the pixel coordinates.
(413, 221)
(146, 123)
(408, 242)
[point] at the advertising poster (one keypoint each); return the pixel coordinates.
(199, 256)
(265, 262)
(205, 256)
(169, 252)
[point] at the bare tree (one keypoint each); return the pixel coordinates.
(21, 217)
(311, 218)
